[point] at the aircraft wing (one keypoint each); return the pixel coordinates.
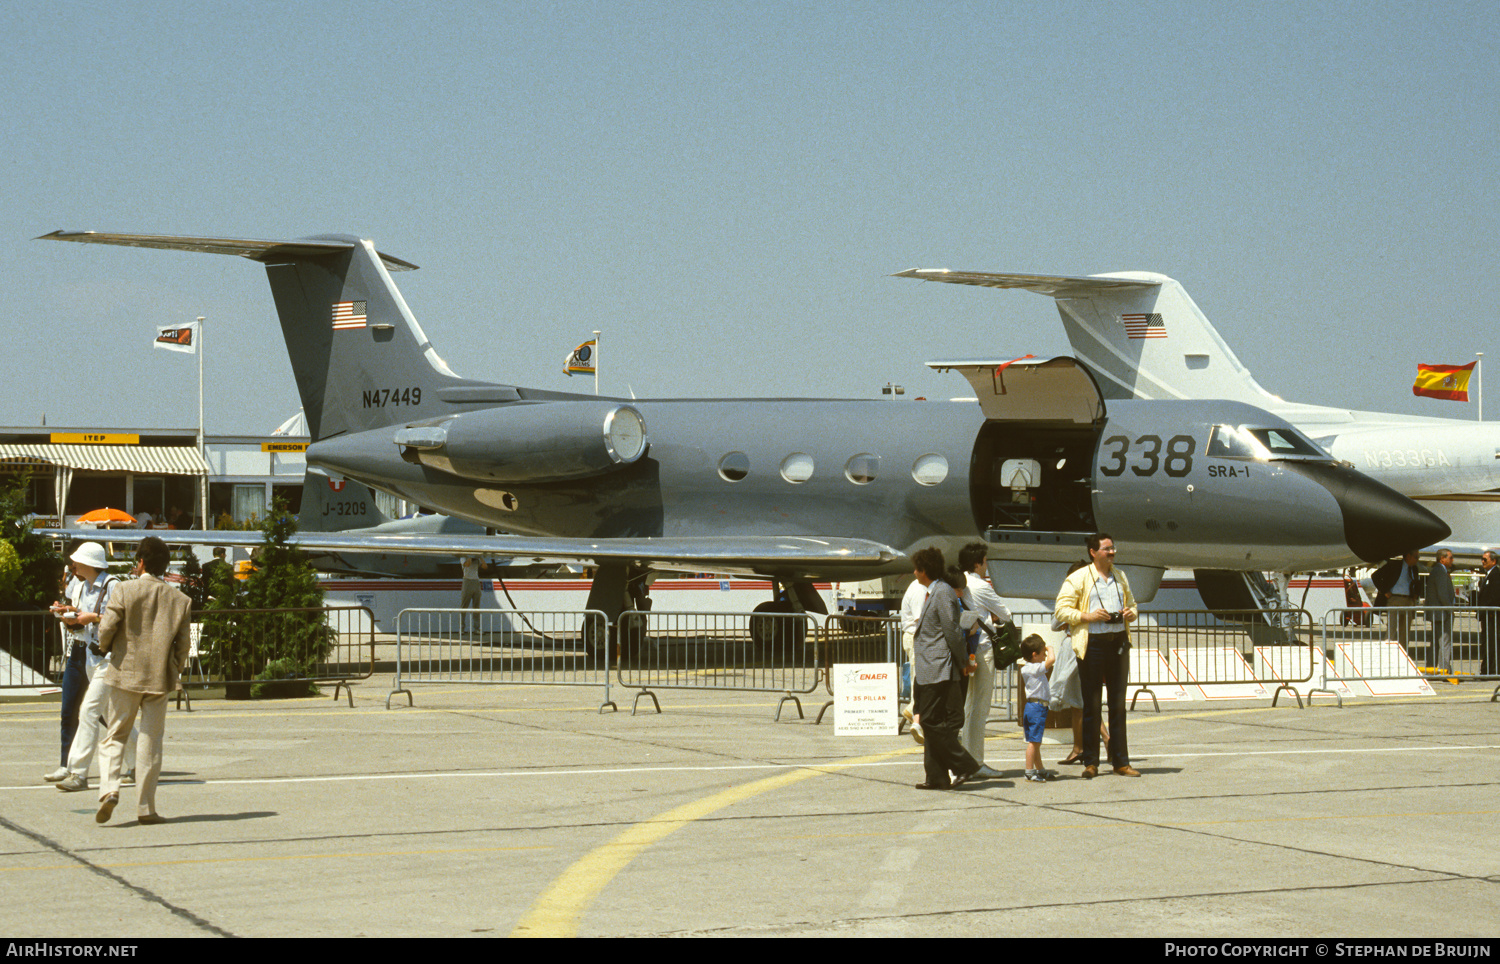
(750, 554)
(1042, 284)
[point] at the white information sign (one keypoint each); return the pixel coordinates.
(865, 699)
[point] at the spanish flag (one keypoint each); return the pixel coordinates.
(1444, 381)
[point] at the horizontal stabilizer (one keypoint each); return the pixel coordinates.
(1055, 285)
(267, 252)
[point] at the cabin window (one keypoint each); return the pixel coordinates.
(861, 468)
(734, 466)
(797, 467)
(930, 469)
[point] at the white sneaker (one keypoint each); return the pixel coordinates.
(73, 783)
(58, 775)
(916, 733)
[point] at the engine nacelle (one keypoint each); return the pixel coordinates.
(542, 442)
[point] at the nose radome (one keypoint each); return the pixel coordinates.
(1379, 522)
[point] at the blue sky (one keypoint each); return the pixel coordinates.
(725, 188)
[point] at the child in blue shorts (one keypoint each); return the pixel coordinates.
(1034, 698)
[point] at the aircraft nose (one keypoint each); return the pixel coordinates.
(1379, 522)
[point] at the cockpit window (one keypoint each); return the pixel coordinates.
(1285, 441)
(1247, 442)
(1232, 442)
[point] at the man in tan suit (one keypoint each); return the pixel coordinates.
(145, 635)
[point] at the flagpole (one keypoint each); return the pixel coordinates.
(596, 363)
(202, 454)
(1479, 381)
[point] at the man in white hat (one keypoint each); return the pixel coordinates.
(88, 593)
(89, 730)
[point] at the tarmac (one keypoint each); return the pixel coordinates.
(522, 810)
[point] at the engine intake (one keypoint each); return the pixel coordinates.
(541, 442)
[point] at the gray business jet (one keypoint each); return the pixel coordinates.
(795, 489)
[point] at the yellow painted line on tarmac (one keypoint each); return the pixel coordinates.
(558, 909)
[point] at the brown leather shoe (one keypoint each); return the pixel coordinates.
(106, 808)
(1127, 771)
(1090, 772)
(150, 819)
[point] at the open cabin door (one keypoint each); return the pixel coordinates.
(1055, 390)
(1032, 474)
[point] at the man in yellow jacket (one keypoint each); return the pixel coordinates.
(1096, 605)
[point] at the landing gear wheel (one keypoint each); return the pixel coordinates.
(595, 635)
(777, 636)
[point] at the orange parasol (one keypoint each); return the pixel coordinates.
(107, 518)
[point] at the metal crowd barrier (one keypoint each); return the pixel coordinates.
(329, 644)
(1229, 655)
(745, 652)
(514, 647)
(31, 650)
(1239, 653)
(1375, 648)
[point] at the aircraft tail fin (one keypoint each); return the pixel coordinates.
(333, 505)
(360, 359)
(1139, 332)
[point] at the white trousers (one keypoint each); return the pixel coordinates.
(90, 730)
(977, 699)
(121, 707)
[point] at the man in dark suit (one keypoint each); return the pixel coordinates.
(1399, 581)
(1440, 602)
(217, 574)
(1487, 594)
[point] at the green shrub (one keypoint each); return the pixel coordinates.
(239, 645)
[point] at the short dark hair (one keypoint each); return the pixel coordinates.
(1094, 540)
(1033, 644)
(218, 552)
(972, 555)
(155, 555)
(929, 562)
